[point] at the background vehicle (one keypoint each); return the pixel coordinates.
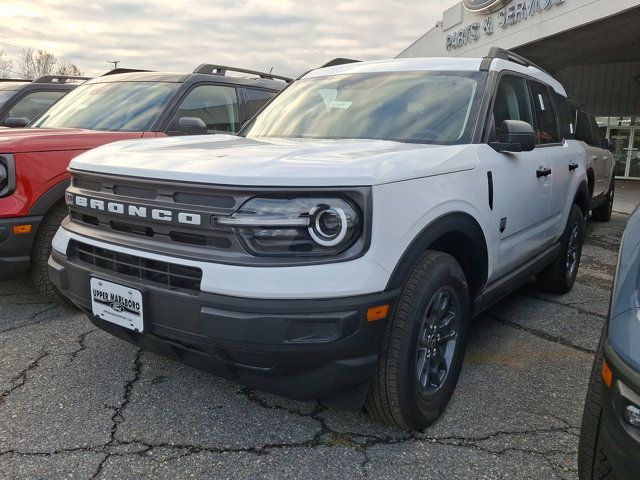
(119, 105)
(21, 101)
(610, 435)
(338, 247)
(599, 162)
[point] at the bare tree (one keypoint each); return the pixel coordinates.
(6, 64)
(33, 64)
(65, 67)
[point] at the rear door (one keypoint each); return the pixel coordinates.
(559, 157)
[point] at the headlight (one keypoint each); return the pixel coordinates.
(7, 175)
(299, 226)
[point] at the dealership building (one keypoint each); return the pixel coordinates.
(591, 46)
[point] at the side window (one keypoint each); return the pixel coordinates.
(511, 101)
(597, 133)
(255, 100)
(33, 104)
(215, 105)
(583, 128)
(546, 120)
(565, 116)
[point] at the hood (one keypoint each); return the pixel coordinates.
(22, 140)
(231, 160)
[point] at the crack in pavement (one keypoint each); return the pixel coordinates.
(117, 417)
(81, 341)
(572, 305)
(540, 334)
(21, 378)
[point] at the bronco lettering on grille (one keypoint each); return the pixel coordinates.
(160, 214)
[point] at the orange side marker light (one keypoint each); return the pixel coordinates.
(20, 229)
(377, 313)
(607, 374)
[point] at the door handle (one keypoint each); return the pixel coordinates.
(543, 172)
(573, 166)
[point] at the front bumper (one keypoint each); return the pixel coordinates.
(619, 439)
(15, 249)
(321, 349)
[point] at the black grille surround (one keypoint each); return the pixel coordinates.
(169, 275)
(207, 241)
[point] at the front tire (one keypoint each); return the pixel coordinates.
(560, 275)
(41, 251)
(603, 212)
(593, 462)
(423, 349)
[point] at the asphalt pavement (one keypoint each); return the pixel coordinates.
(78, 403)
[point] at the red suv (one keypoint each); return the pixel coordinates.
(117, 106)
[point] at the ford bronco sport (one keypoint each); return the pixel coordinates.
(122, 104)
(337, 249)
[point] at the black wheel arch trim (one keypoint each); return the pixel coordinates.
(49, 198)
(449, 223)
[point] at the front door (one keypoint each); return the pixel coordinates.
(521, 193)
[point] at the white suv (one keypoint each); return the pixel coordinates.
(338, 247)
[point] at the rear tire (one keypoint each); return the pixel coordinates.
(560, 275)
(424, 344)
(602, 213)
(41, 251)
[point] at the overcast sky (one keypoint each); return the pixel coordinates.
(176, 35)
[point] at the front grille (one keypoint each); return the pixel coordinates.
(166, 274)
(127, 191)
(216, 201)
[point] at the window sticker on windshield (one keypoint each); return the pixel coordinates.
(337, 104)
(329, 98)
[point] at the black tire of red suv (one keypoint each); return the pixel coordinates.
(593, 463)
(560, 275)
(602, 213)
(435, 294)
(41, 250)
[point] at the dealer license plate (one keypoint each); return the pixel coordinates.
(117, 304)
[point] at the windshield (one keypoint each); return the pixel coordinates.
(117, 106)
(420, 107)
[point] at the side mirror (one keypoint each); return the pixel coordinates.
(16, 122)
(515, 136)
(192, 126)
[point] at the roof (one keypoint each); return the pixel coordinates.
(400, 65)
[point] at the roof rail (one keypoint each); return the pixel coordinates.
(14, 80)
(338, 61)
(501, 53)
(222, 70)
(116, 71)
(58, 79)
